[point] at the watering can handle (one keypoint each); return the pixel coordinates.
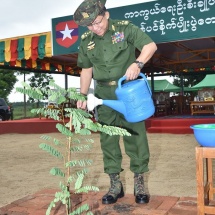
(141, 74)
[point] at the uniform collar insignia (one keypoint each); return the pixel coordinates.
(113, 27)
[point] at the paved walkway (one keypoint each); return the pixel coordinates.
(37, 204)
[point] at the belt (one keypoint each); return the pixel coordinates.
(107, 83)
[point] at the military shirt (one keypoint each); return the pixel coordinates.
(111, 54)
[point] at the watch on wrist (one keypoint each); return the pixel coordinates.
(139, 64)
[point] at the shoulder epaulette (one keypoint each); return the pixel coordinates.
(123, 22)
(85, 35)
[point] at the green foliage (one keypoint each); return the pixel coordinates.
(76, 134)
(52, 151)
(7, 82)
(23, 110)
(80, 148)
(64, 130)
(85, 189)
(188, 80)
(52, 113)
(79, 162)
(28, 91)
(19, 111)
(37, 81)
(57, 171)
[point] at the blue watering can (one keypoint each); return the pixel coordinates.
(134, 100)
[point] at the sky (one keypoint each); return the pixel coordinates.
(23, 17)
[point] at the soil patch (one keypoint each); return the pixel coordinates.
(24, 167)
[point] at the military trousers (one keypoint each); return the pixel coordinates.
(136, 145)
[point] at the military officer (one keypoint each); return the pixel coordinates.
(106, 53)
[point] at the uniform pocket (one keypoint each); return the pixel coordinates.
(117, 47)
(94, 55)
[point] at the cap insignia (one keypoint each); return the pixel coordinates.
(85, 15)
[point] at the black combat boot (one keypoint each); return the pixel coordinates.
(139, 190)
(115, 191)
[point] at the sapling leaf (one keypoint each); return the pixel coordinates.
(56, 171)
(64, 130)
(46, 137)
(52, 151)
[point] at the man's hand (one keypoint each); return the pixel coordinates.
(81, 105)
(132, 72)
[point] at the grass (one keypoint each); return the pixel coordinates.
(19, 111)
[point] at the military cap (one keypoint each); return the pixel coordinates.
(87, 11)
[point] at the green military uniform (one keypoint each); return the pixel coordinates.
(110, 56)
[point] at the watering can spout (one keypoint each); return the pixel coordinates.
(117, 105)
(93, 102)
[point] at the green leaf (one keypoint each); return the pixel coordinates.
(86, 189)
(71, 163)
(56, 171)
(63, 196)
(64, 130)
(77, 141)
(46, 137)
(25, 84)
(79, 181)
(85, 131)
(75, 175)
(30, 92)
(82, 172)
(52, 151)
(81, 148)
(113, 130)
(89, 140)
(79, 163)
(51, 205)
(57, 142)
(71, 179)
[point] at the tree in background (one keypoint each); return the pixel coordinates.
(40, 81)
(188, 80)
(7, 81)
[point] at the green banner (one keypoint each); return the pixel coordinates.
(163, 21)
